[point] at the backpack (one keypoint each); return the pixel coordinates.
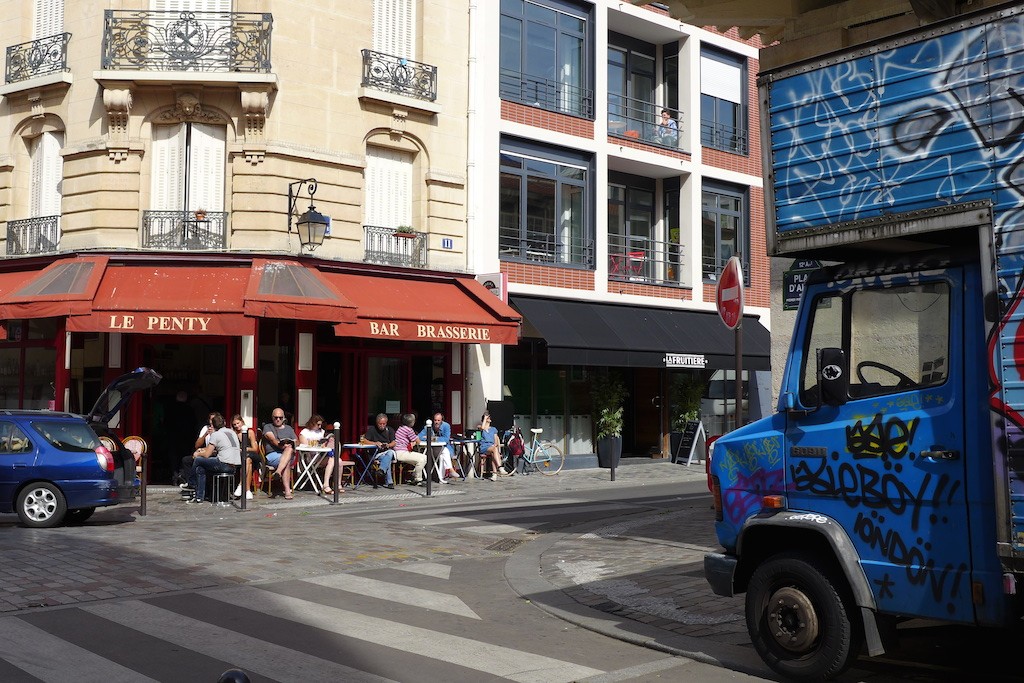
(514, 444)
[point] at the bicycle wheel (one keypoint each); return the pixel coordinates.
(548, 459)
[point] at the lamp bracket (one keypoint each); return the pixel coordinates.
(294, 189)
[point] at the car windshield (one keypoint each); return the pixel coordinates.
(67, 435)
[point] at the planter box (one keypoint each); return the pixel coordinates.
(609, 451)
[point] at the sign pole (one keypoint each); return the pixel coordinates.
(729, 300)
(738, 390)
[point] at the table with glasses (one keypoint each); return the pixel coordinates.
(307, 463)
(465, 452)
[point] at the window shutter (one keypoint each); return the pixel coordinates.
(47, 168)
(167, 168)
(394, 23)
(48, 19)
(388, 187)
(721, 80)
(206, 167)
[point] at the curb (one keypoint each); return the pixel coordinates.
(523, 575)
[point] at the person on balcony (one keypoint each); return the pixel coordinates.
(667, 131)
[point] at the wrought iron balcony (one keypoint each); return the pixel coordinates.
(724, 137)
(399, 75)
(37, 57)
(184, 230)
(639, 259)
(544, 93)
(38, 235)
(394, 247)
(142, 40)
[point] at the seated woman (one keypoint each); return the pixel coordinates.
(313, 433)
(489, 449)
(405, 441)
(250, 453)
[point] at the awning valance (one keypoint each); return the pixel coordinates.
(445, 309)
(586, 333)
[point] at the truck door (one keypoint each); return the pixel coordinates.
(887, 461)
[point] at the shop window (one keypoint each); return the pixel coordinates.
(724, 211)
(544, 48)
(722, 101)
(28, 361)
(543, 214)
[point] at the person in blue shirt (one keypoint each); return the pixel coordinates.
(440, 440)
(489, 450)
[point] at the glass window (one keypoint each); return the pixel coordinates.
(543, 52)
(543, 214)
(12, 439)
(722, 101)
(67, 435)
(632, 251)
(895, 339)
(723, 233)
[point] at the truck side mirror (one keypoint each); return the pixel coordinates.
(833, 376)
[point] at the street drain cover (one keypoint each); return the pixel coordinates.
(506, 545)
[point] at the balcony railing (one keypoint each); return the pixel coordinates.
(533, 91)
(640, 120)
(712, 266)
(39, 235)
(184, 230)
(141, 40)
(399, 75)
(393, 247)
(639, 259)
(37, 58)
(724, 137)
(545, 247)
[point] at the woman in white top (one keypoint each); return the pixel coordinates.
(313, 434)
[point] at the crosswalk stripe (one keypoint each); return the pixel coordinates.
(492, 659)
(549, 512)
(500, 529)
(405, 595)
(437, 571)
(50, 658)
(252, 654)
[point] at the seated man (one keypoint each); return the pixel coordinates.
(280, 446)
(383, 437)
(440, 438)
(222, 454)
(667, 131)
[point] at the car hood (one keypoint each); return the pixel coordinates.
(119, 391)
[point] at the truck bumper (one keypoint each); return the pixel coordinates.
(719, 571)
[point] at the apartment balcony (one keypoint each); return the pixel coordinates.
(639, 259)
(640, 120)
(399, 75)
(37, 58)
(395, 247)
(206, 42)
(556, 96)
(184, 230)
(40, 235)
(544, 246)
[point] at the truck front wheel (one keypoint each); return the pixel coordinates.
(799, 619)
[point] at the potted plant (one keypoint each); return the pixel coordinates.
(684, 395)
(404, 231)
(608, 397)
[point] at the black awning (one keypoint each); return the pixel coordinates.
(585, 333)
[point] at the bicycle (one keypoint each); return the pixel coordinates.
(538, 456)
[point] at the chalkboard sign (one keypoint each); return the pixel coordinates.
(692, 432)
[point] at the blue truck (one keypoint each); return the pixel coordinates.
(889, 483)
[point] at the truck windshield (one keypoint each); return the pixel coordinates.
(895, 339)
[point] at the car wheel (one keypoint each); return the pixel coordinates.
(41, 505)
(799, 618)
(78, 516)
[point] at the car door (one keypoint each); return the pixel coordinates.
(17, 461)
(888, 461)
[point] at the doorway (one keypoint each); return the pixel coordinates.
(647, 427)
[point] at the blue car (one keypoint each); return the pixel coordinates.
(59, 466)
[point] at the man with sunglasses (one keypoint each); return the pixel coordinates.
(280, 446)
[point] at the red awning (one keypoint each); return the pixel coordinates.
(169, 297)
(451, 309)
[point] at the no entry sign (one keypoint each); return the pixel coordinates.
(729, 294)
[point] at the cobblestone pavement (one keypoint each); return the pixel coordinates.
(175, 547)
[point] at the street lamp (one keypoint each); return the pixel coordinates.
(311, 225)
